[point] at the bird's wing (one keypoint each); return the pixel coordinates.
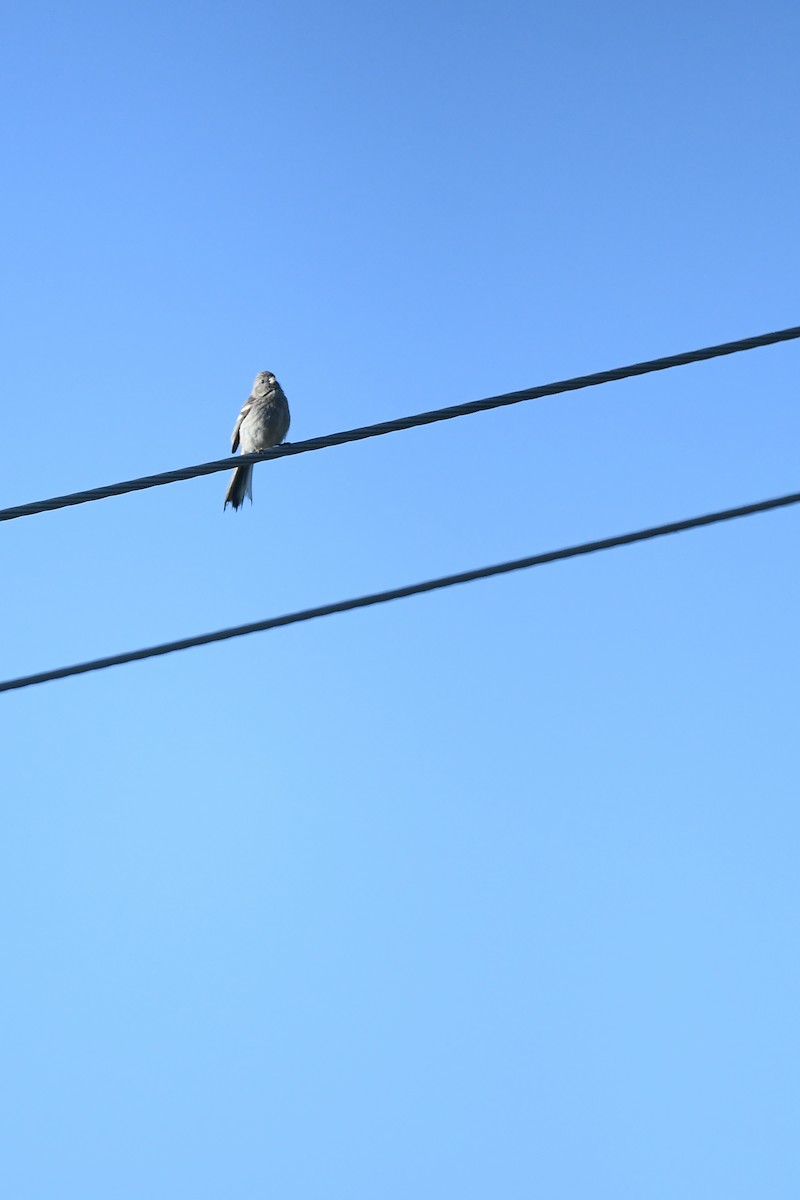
(235, 435)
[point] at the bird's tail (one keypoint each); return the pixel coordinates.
(241, 485)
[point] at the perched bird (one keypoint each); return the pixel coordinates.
(263, 422)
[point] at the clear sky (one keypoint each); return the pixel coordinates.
(491, 892)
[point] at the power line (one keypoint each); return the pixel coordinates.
(414, 589)
(401, 423)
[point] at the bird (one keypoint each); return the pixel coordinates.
(263, 422)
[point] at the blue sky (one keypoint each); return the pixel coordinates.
(486, 892)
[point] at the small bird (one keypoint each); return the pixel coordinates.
(263, 422)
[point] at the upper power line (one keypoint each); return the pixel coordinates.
(400, 423)
(414, 589)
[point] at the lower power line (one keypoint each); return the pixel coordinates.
(413, 589)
